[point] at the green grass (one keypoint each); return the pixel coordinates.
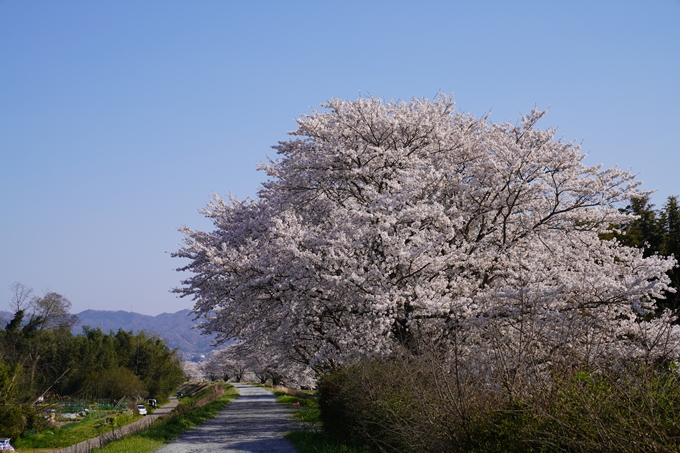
(195, 394)
(91, 426)
(132, 444)
(313, 440)
(165, 431)
(316, 442)
(307, 409)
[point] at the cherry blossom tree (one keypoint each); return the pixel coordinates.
(192, 371)
(386, 223)
(225, 364)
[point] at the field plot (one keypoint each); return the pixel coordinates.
(75, 422)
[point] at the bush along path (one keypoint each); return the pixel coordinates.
(252, 423)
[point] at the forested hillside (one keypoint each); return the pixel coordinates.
(176, 329)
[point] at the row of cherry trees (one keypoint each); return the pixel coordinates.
(387, 225)
(238, 362)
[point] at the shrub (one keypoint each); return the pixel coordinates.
(380, 403)
(409, 404)
(14, 420)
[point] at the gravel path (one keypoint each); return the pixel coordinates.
(252, 423)
(164, 410)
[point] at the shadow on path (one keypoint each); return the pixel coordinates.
(254, 422)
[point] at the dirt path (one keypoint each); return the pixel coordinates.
(165, 409)
(252, 423)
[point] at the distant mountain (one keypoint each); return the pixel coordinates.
(5, 317)
(176, 329)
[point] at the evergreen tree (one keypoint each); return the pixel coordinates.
(656, 232)
(644, 232)
(670, 223)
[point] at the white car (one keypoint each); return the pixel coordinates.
(142, 409)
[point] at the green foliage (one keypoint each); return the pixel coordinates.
(636, 410)
(655, 231)
(40, 356)
(307, 409)
(16, 419)
(116, 383)
(147, 357)
(10, 376)
(285, 398)
(317, 442)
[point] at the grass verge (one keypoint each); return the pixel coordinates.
(307, 408)
(316, 442)
(166, 430)
(311, 440)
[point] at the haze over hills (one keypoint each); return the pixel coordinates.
(176, 329)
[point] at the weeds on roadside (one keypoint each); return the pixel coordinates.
(316, 442)
(307, 409)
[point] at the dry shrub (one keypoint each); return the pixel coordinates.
(412, 403)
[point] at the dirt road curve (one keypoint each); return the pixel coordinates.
(252, 423)
(163, 410)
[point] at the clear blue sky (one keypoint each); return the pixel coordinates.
(118, 119)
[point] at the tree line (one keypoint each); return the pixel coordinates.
(41, 360)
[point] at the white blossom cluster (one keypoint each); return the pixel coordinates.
(382, 222)
(192, 371)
